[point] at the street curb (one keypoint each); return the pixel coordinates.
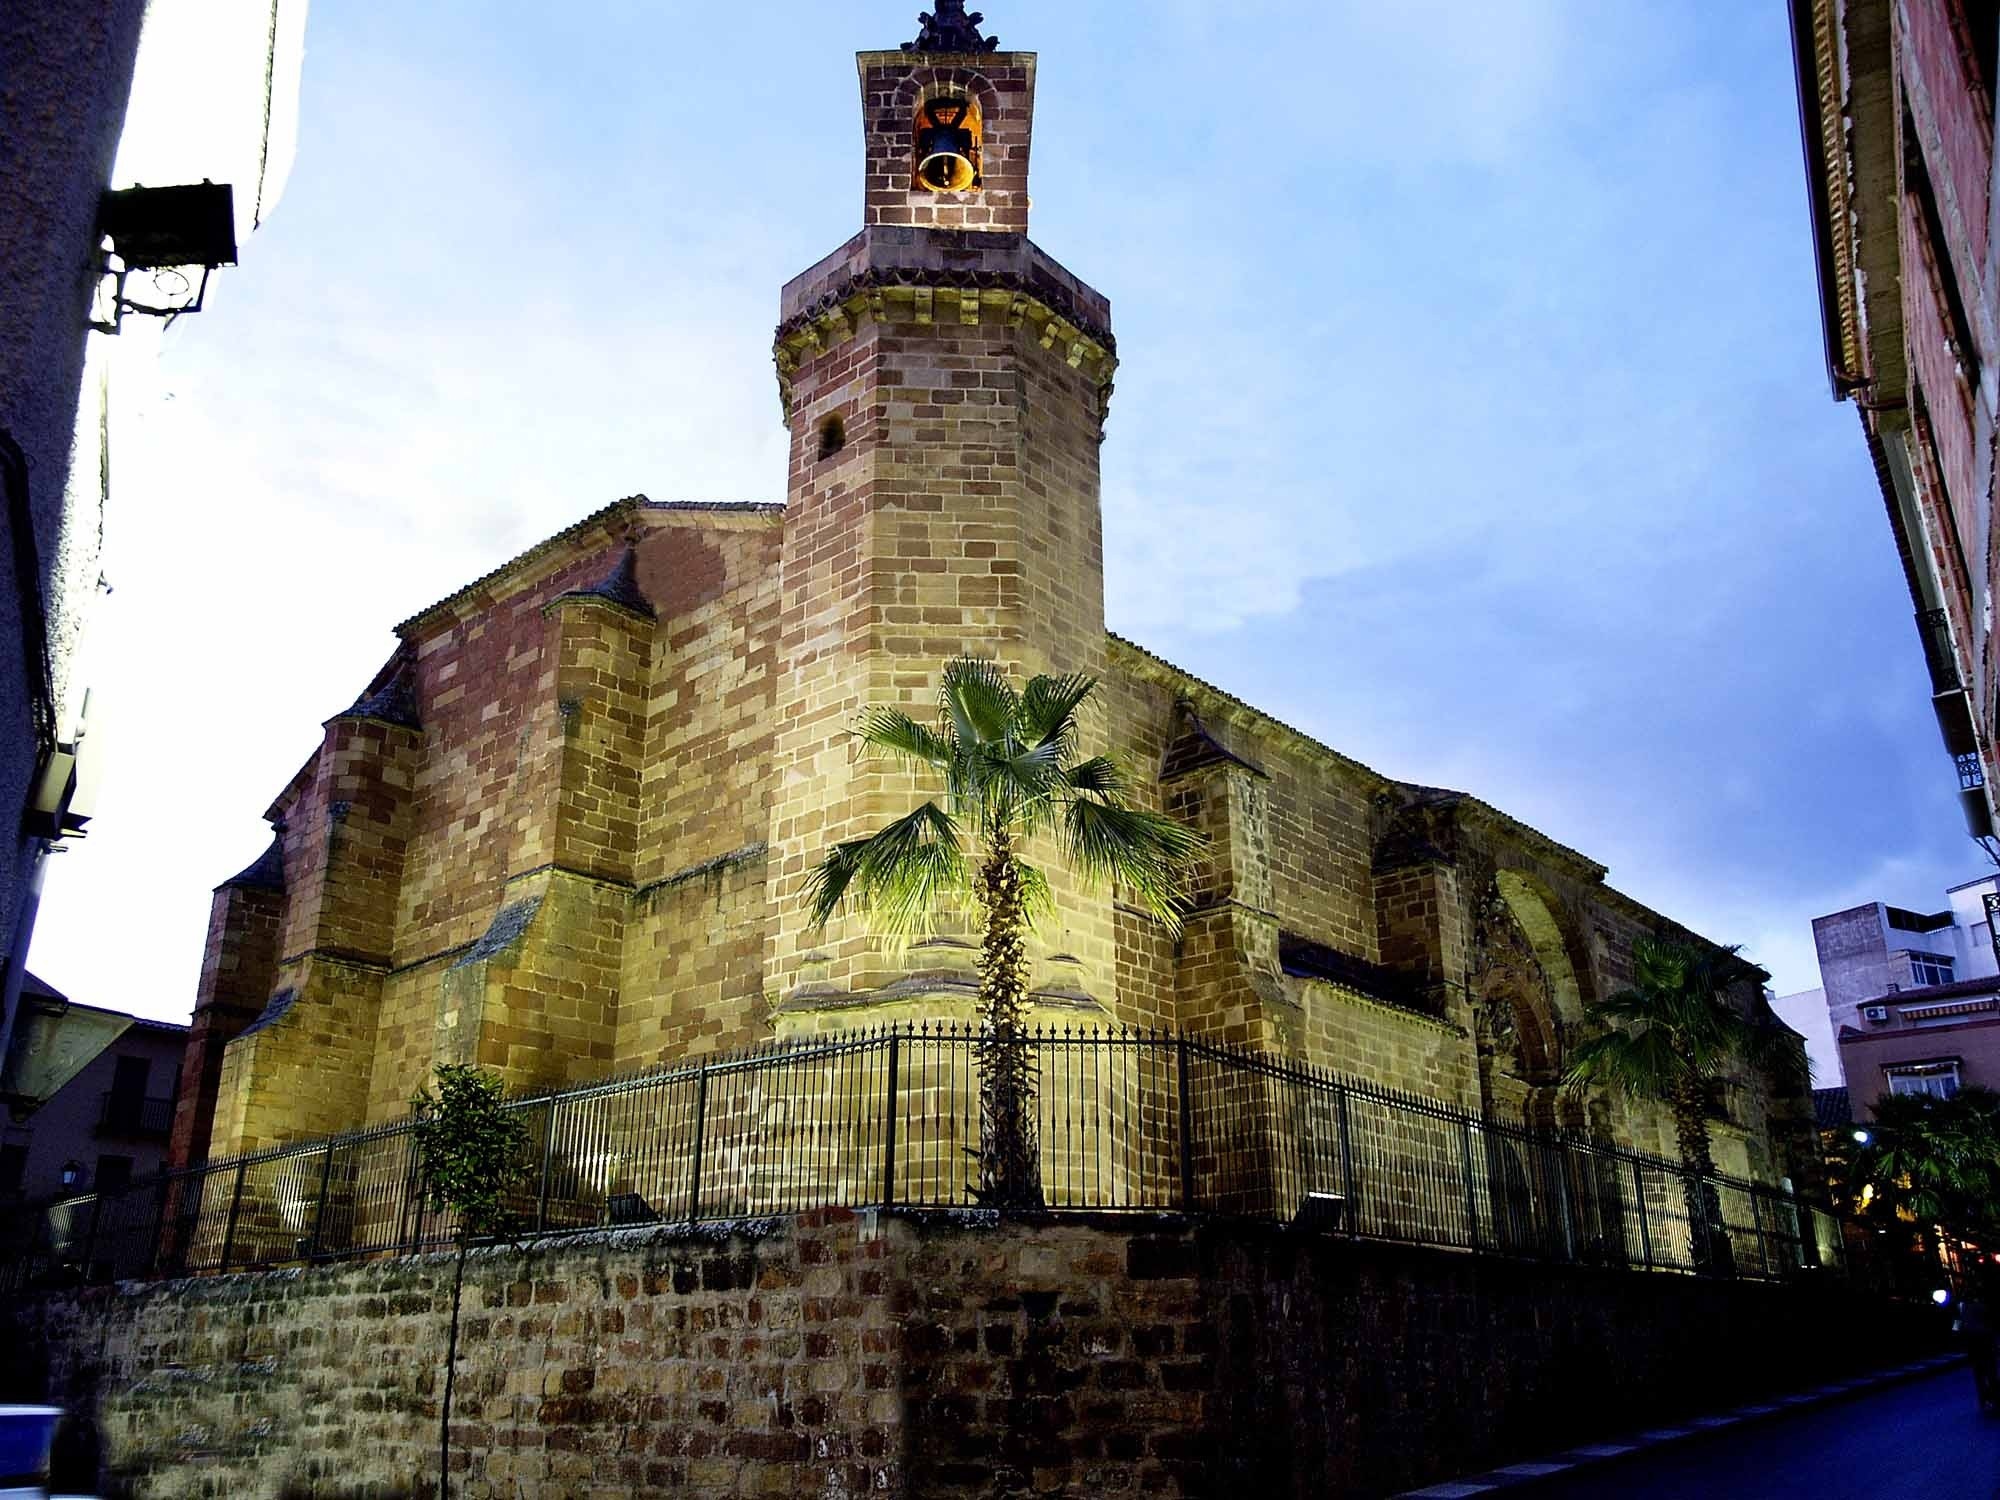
(1519, 1476)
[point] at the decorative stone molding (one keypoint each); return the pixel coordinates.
(969, 298)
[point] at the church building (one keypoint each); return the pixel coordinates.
(566, 830)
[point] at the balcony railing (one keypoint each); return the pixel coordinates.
(130, 1115)
(1934, 626)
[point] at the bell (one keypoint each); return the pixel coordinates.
(945, 148)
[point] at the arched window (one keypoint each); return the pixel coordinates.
(948, 135)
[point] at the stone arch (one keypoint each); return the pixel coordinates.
(1529, 995)
(925, 84)
(1544, 920)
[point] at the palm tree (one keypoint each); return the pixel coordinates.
(1937, 1159)
(1010, 768)
(1672, 1037)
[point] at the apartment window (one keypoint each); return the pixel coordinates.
(1937, 1079)
(113, 1173)
(1927, 968)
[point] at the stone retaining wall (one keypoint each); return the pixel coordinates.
(844, 1354)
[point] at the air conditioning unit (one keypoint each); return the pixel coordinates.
(1876, 1013)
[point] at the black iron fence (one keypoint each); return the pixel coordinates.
(1127, 1121)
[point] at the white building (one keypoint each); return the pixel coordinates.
(123, 125)
(1867, 952)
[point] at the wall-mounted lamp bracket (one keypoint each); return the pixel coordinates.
(169, 231)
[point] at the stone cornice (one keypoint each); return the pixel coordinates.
(1225, 707)
(621, 519)
(969, 298)
(720, 865)
(1509, 829)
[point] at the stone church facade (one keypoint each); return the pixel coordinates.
(565, 831)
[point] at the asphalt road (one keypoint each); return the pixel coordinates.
(1924, 1439)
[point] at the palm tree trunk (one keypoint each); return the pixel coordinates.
(1709, 1242)
(1009, 1160)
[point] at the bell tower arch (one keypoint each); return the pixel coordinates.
(945, 383)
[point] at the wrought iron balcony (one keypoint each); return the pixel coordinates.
(130, 1115)
(1934, 626)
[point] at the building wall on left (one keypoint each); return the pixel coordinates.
(91, 1121)
(65, 75)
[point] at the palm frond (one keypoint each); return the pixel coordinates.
(829, 881)
(1038, 899)
(979, 702)
(1778, 1052)
(1642, 1062)
(1146, 852)
(894, 731)
(1048, 710)
(1019, 786)
(1100, 776)
(900, 875)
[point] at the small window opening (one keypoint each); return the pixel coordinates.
(832, 436)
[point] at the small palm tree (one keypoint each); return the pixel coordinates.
(1010, 770)
(1937, 1159)
(1672, 1037)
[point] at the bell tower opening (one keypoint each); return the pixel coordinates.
(948, 134)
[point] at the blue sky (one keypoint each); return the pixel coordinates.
(1472, 415)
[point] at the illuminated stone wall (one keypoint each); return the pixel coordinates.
(838, 1354)
(566, 830)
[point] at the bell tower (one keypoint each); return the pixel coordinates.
(946, 384)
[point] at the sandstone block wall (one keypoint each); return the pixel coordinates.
(589, 858)
(847, 1355)
(463, 890)
(959, 518)
(569, 828)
